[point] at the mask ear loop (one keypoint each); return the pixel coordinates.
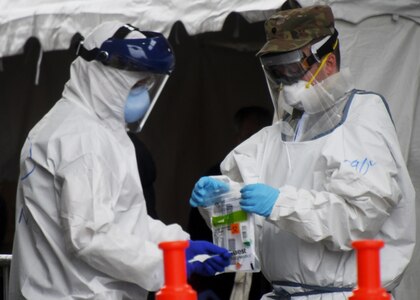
(324, 60)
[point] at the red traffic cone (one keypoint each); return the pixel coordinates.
(174, 261)
(368, 271)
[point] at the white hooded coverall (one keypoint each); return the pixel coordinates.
(82, 228)
(350, 183)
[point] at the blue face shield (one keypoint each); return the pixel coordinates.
(152, 54)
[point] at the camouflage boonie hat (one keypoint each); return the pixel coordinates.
(292, 29)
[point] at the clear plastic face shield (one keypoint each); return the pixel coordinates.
(306, 101)
(141, 100)
(150, 55)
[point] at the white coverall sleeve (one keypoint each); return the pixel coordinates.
(88, 195)
(360, 186)
(163, 232)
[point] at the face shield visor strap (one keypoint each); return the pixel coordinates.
(321, 65)
(151, 54)
(154, 92)
(96, 53)
(318, 53)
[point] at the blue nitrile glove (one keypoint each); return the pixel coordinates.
(204, 189)
(258, 198)
(218, 260)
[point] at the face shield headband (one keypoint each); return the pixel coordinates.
(288, 67)
(150, 54)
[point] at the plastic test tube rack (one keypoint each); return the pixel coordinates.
(175, 267)
(368, 271)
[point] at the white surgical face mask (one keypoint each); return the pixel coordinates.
(311, 99)
(293, 94)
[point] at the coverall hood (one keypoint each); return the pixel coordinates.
(101, 89)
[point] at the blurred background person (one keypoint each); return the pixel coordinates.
(147, 170)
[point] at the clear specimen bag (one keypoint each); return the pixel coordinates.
(234, 230)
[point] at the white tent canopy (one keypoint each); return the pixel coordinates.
(380, 41)
(55, 22)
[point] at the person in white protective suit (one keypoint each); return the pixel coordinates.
(82, 228)
(328, 172)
